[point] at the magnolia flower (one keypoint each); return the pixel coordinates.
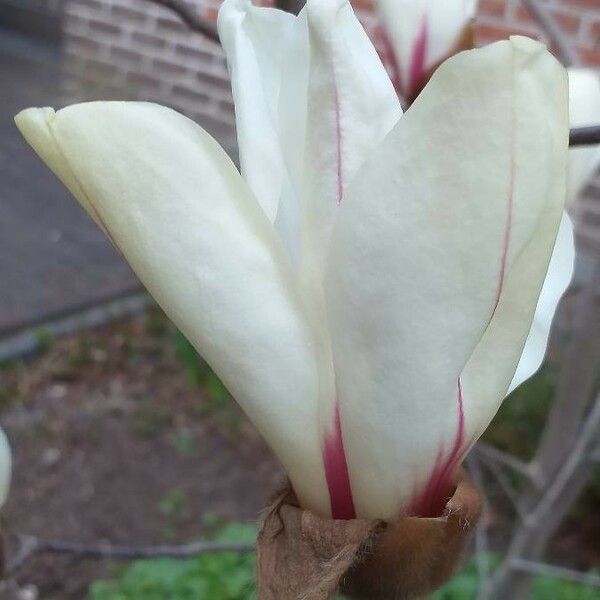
(366, 286)
(5, 468)
(584, 110)
(420, 34)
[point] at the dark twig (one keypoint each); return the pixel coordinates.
(30, 545)
(190, 18)
(481, 538)
(488, 453)
(550, 26)
(536, 568)
(585, 136)
(207, 29)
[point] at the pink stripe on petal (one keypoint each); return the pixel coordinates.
(336, 471)
(431, 499)
(389, 57)
(417, 71)
(338, 139)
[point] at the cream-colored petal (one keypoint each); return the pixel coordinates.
(458, 206)
(174, 204)
(5, 468)
(558, 278)
(261, 44)
(352, 106)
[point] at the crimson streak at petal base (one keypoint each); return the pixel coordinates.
(418, 70)
(430, 502)
(336, 471)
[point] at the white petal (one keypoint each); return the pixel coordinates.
(5, 468)
(560, 272)
(423, 32)
(352, 106)
(584, 110)
(423, 250)
(174, 204)
(261, 44)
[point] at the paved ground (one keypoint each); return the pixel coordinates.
(53, 260)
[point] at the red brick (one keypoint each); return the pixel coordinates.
(523, 15)
(104, 27)
(212, 81)
(169, 68)
(73, 21)
(172, 25)
(226, 106)
(96, 69)
(125, 55)
(591, 5)
(590, 57)
(492, 8)
(595, 34)
(485, 32)
(568, 22)
(148, 39)
(193, 53)
(366, 5)
(210, 14)
(190, 95)
(132, 15)
(143, 80)
(93, 4)
(82, 42)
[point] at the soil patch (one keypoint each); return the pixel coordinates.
(112, 442)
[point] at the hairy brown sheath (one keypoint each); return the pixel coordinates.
(302, 556)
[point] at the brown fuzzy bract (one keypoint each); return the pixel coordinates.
(302, 556)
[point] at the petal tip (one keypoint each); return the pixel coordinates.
(34, 117)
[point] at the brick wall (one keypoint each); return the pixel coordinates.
(134, 49)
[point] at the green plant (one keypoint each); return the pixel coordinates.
(230, 576)
(44, 339)
(212, 576)
(465, 584)
(174, 505)
(184, 441)
(150, 418)
(200, 375)
(519, 422)
(196, 369)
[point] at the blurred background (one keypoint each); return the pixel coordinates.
(121, 433)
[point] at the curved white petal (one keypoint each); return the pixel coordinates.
(352, 106)
(175, 206)
(468, 186)
(584, 110)
(5, 468)
(261, 44)
(560, 272)
(422, 33)
(312, 101)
